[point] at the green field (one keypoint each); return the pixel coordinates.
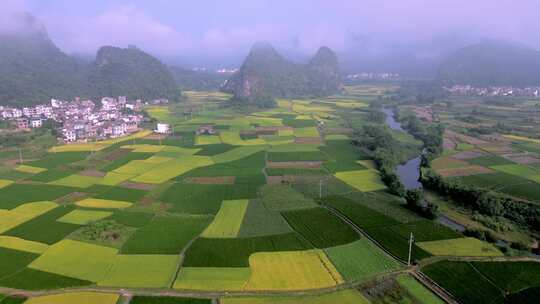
(360, 260)
(320, 227)
(208, 278)
(341, 297)
(460, 247)
(83, 217)
(167, 300)
(417, 290)
(235, 252)
(165, 235)
(76, 297)
(149, 271)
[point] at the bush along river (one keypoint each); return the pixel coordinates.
(409, 172)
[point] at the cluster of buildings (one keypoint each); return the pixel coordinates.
(468, 90)
(80, 120)
(374, 76)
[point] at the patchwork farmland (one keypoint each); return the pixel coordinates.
(274, 206)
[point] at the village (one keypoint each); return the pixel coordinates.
(494, 91)
(82, 120)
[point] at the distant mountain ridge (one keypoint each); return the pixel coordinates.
(265, 75)
(34, 70)
(491, 63)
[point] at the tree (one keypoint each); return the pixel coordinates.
(414, 199)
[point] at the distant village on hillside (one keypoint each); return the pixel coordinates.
(468, 90)
(83, 120)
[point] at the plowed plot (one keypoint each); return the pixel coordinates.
(293, 164)
(448, 163)
(211, 180)
(138, 186)
(76, 259)
(76, 297)
(464, 171)
(360, 260)
(308, 140)
(209, 278)
(467, 155)
(298, 270)
(320, 227)
(149, 271)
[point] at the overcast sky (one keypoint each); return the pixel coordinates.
(228, 27)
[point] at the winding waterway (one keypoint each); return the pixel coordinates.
(409, 172)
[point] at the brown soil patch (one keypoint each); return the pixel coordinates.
(94, 173)
(448, 162)
(464, 138)
(211, 180)
(308, 140)
(272, 129)
(116, 154)
(139, 186)
(464, 171)
(498, 149)
(449, 144)
(468, 155)
(295, 164)
(523, 159)
(146, 201)
(291, 179)
(72, 197)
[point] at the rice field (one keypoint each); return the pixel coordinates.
(103, 204)
(460, 247)
(16, 243)
(341, 297)
(76, 297)
(76, 259)
(360, 260)
(83, 217)
(296, 270)
(12, 218)
(148, 271)
(228, 220)
(362, 180)
(212, 278)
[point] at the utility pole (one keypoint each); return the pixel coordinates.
(320, 188)
(411, 240)
(20, 156)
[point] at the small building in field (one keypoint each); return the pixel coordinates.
(36, 123)
(163, 128)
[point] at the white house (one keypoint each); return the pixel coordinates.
(163, 128)
(36, 123)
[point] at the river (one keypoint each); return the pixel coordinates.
(409, 172)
